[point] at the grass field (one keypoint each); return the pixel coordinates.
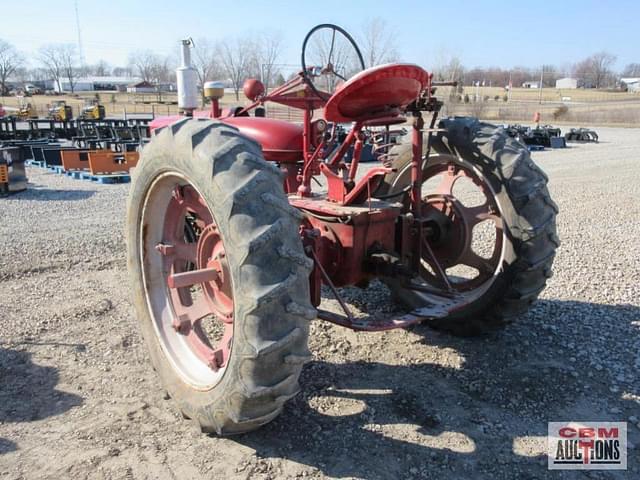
(554, 94)
(615, 113)
(589, 107)
(579, 106)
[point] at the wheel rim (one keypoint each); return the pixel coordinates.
(463, 249)
(187, 280)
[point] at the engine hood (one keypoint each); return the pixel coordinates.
(281, 141)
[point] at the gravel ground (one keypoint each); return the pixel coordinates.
(79, 399)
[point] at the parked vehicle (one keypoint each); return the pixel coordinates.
(60, 111)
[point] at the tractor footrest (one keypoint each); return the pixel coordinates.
(372, 324)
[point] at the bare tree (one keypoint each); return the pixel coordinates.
(550, 76)
(10, 61)
(122, 72)
(582, 71)
(631, 70)
(378, 42)
(601, 67)
(69, 66)
(237, 56)
(164, 71)
(595, 71)
(448, 68)
(101, 69)
(146, 64)
(21, 75)
(38, 74)
(521, 74)
(60, 62)
(267, 54)
(205, 61)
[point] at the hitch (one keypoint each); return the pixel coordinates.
(438, 304)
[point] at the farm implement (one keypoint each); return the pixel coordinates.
(230, 239)
(102, 151)
(540, 136)
(581, 135)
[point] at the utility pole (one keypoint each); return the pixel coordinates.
(541, 80)
(510, 86)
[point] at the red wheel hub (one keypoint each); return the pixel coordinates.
(451, 222)
(212, 256)
(450, 237)
(197, 277)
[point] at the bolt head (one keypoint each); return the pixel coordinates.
(213, 362)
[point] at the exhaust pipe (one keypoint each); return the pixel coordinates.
(187, 80)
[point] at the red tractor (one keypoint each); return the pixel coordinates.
(229, 245)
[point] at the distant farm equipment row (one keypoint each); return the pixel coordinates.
(99, 165)
(116, 131)
(549, 136)
(98, 150)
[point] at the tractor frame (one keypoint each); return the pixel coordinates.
(351, 236)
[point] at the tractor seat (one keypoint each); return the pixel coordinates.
(376, 93)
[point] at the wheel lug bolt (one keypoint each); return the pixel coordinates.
(213, 362)
(181, 324)
(165, 249)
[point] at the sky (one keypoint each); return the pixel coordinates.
(481, 33)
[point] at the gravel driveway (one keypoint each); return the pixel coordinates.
(79, 399)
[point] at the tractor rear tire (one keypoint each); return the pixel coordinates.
(528, 214)
(267, 264)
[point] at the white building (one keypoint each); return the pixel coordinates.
(91, 84)
(148, 87)
(141, 86)
(567, 82)
(531, 84)
(632, 84)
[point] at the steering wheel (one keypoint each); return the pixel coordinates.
(329, 55)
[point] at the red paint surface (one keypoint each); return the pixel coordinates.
(281, 141)
(375, 92)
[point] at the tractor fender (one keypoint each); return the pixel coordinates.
(281, 141)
